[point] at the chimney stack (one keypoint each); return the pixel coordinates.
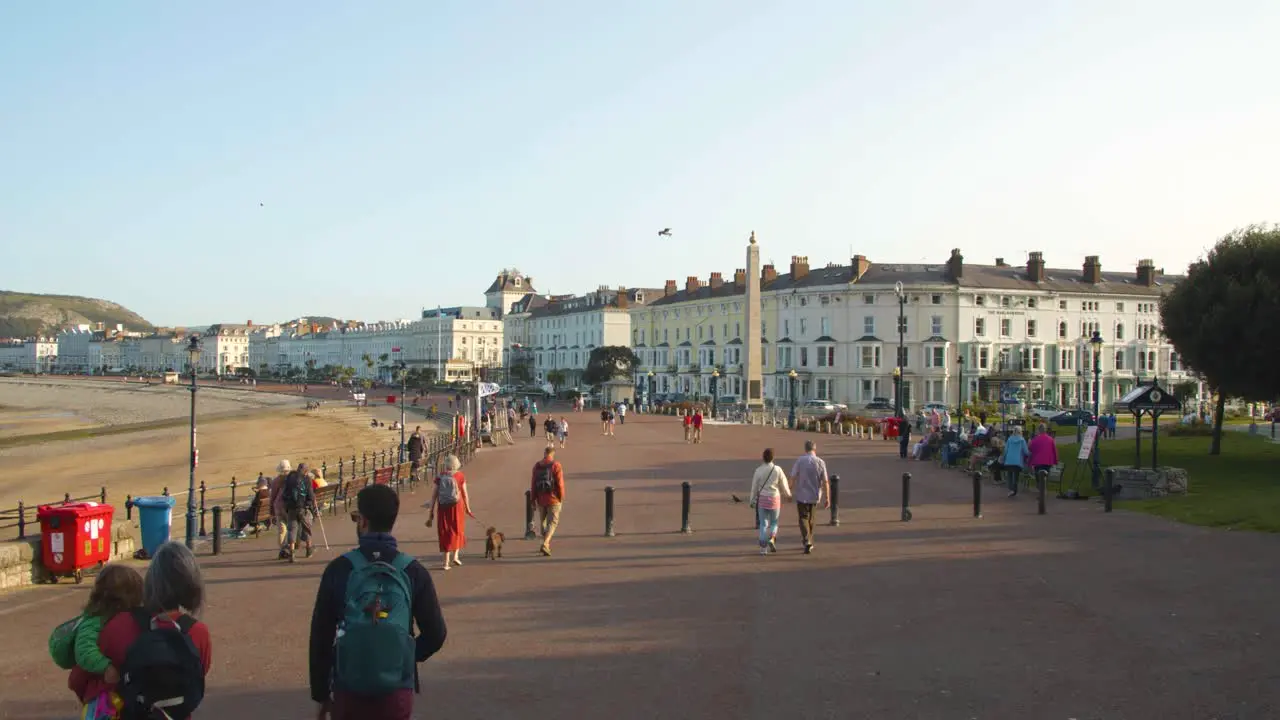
(1001, 263)
(1092, 270)
(669, 289)
(767, 275)
(623, 302)
(691, 284)
(860, 266)
(740, 277)
(799, 267)
(955, 265)
(1035, 267)
(1146, 273)
(716, 280)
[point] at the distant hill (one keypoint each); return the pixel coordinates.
(29, 314)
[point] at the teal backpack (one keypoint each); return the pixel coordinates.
(374, 648)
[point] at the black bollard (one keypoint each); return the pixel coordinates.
(686, 498)
(1108, 488)
(202, 532)
(835, 501)
(233, 493)
(608, 511)
(529, 533)
(217, 529)
(977, 494)
(906, 497)
(128, 507)
(1042, 484)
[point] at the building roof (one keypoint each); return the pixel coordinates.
(463, 312)
(1013, 277)
(511, 280)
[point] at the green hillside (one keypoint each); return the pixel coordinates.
(29, 314)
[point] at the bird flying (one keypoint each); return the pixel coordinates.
(664, 232)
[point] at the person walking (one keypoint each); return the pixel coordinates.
(277, 506)
(300, 507)
(550, 427)
(548, 495)
(606, 420)
(697, 425)
(768, 485)
(562, 430)
(1015, 458)
(1042, 450)
(452, 506)
(533, 426)
(904, 437)
(361, 669)
(417, 445)
(810, 486)
(622, 413)
(688, 427)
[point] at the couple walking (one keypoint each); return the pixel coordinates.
(769, 485)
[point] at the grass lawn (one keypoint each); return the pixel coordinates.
(1239, 489)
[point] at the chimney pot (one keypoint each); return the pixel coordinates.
(860, 266)
(955, 265)
(1092, 270)
(1000, 262)
(740, 277)
(669, 289)
(1146, 272)
(691, 284)
(1035, 266)
(767, 275)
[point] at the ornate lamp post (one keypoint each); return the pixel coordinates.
(404, 377)
(1096, 342)
(902, 332)
(715, 391)
(1083, 354)
(959, 381)
(897, 392)
(653, 380)
(193, 360)
(791, 417)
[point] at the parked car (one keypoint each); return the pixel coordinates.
(1071, 418)
(816, 407)
(931, 406)
(1045, 410)
(879, 404)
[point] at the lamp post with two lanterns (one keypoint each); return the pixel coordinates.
(193, 361)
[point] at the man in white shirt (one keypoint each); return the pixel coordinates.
(810, 486)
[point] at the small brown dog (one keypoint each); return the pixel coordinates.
(493, 544)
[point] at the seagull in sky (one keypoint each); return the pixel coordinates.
(664, 232)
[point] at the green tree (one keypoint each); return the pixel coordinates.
(608, 363)
(1185, 391)
(1219, 318)
(556, 378)
(521, 372)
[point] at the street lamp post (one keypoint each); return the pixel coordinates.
(1083, 348)
(193, 358)
(959, 381)
(404, 379)
(902, 333)
(791, 417)
(652, 385)
(897, 393)
(1096, 342)
(715, 391)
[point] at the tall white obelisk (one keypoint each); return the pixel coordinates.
(752, 370)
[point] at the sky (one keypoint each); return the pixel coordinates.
(232, 161)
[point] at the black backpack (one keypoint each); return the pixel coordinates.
(295, 491)
(162, 677)
(546, 483)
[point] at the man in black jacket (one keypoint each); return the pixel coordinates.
(376, 510)
(417, 446)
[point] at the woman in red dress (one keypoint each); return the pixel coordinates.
(449, 502)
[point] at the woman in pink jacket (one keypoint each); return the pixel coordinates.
(1044, 450)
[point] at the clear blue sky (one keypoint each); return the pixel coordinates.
(406, 151)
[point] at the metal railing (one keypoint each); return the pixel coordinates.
(352, 470)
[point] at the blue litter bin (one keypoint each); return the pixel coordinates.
(155, 516)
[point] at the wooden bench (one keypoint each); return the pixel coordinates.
(261, 517)
(327, 494)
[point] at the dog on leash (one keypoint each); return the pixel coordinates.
(493, 544)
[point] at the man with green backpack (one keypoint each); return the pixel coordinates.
(364, 654)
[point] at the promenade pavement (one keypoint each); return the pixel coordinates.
(1075, 614)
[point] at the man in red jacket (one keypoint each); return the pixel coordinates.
(547, 491)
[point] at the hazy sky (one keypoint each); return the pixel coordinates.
(404, 152)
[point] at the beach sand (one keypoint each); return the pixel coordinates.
(236, 437)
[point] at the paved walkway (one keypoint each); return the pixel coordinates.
(1075, 614)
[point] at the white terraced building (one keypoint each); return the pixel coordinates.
(969, 329)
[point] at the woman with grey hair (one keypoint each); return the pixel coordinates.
(173, 595)
(449, 500)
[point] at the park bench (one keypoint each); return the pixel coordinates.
(261, 517)
(327, 494)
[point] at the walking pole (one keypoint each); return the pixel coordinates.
(323, 535)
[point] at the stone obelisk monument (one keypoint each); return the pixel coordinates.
(751, 366)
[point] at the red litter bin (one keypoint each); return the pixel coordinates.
(74, 536)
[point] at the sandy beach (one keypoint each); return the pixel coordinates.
(240, 433)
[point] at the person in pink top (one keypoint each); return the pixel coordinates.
(1044, 450)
